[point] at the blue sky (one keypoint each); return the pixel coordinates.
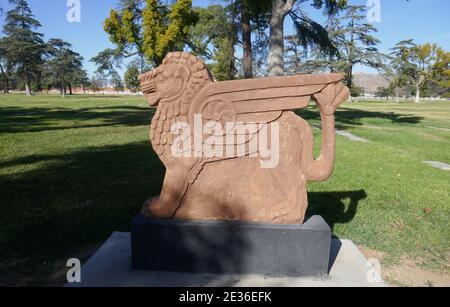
(422, 20)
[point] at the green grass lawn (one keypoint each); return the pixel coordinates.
(75, 169)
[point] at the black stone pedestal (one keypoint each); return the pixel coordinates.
(231, 248)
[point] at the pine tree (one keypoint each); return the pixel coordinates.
(355, 41)
(117, 82)
(213, 38)
(23, 44)
(63, 65)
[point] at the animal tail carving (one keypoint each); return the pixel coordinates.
(328, 100)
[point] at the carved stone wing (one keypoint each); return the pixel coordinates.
(255, 101)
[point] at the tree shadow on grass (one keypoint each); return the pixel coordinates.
(353, 117)
(74, 199)
(80, 198)
(16, 119)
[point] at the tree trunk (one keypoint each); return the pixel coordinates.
(27, 89)
(5, 80)
(280, 9)
(231, 66)
(246, 41)
(27, 84)
(350, 77)
(396, 95)
(417, 100)
(70, 89)
(6, 90)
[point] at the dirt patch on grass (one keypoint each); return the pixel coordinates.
(408, 273)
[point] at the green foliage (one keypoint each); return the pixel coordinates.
(124, 26)
(356, 91)
(117, 82)
(164, 29)
(211, 28)
(384, 92)
(107, 61)
(426, 67)
(213, 38)
(223, 66)
(311, 34)
(149, 28)
(354, 40)
(6, 67)
(132, 78)
(63, 66)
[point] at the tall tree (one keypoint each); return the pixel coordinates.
(23, 44)
(355, 42)
(246, 30)
(280, 9)
(310, 32)
(397, 67)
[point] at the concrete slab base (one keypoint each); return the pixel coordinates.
(111, 267)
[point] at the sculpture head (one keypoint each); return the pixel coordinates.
(181, 74)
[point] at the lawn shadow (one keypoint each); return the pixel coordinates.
(16, 119)
(353, 117)
(76, 198)
(82, 197)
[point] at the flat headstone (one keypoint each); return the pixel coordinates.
(345, 134)
(437, 128)
(351, 137)
(438, 165)
(110, 266)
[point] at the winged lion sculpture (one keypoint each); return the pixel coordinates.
(234, 186)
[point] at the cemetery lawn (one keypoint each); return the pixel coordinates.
(73, 170)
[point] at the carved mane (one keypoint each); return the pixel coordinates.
(195, 75)
(198, 77)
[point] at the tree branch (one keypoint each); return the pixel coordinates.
(288, 6)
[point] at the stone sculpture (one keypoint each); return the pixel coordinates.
(234, 185)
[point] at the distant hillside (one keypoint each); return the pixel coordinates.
(370, 82)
